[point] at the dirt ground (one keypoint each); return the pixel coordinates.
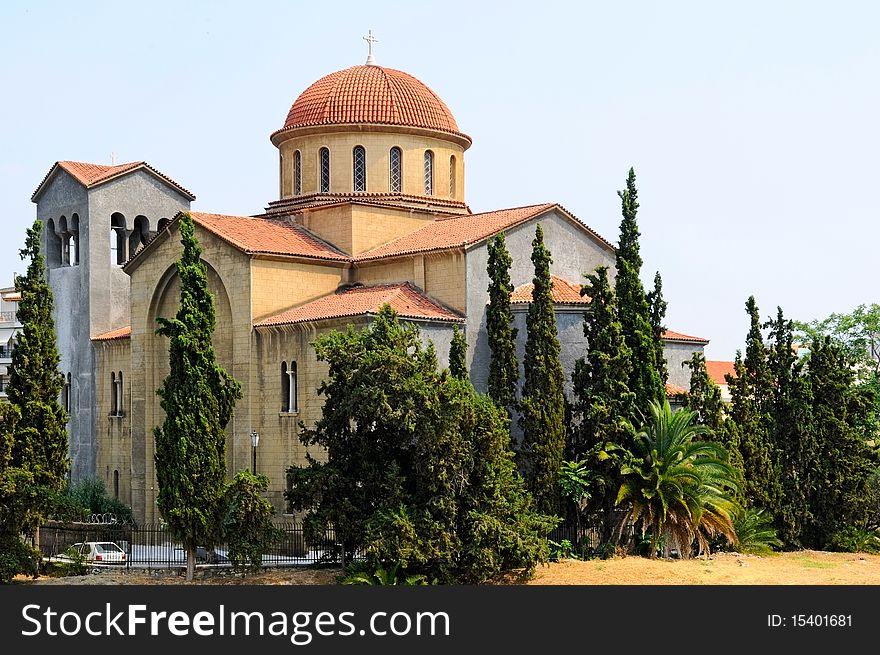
(797, 568)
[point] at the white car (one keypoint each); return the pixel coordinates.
(100, 552)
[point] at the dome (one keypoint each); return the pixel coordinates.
(370, 94)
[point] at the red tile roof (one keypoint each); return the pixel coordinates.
(673, 390)
(264, 236)
(370, 94)
(118, 333)
(405, 299)
(669, 335)
(456, 232)
(717, 370)
(563, 291)
(90, 175)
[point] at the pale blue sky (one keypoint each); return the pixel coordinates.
(752, 126)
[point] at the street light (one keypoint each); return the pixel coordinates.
(255, 441)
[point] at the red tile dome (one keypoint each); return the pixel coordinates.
(370, 94)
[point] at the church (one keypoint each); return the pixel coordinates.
(370, 210)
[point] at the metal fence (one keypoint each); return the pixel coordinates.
(151, 546)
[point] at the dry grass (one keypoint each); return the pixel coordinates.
(797, 568)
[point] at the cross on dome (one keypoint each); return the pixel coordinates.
(370, 39)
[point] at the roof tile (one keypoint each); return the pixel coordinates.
(90, 175)
(118, 333)
(717, 371)
(669, 335)
(404, 298)
(563, 291)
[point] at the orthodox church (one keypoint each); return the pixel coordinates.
(370, 210)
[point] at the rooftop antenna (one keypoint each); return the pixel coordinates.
(370, 39)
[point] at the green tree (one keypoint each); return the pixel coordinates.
(793, 433)
(503, 366)
(247, 521)
(543, 399)
(419, 470)
(635, 314)
(458, 355)
(751, 392)
(603, 403)
(704, 396)
(35, 383)
(846, 462)
(198, 397)
(679, 487)
(657, 312)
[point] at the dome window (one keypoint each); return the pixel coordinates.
(452, 176)
(395, 170)
(429, 173)
(297, 173)
(324, 156)
(359, 157)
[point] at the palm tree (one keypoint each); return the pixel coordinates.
(678, 486)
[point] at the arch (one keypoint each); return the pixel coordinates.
(73, 239)
(113, 397)
(117, 239)
(120, 396)
(285, 388)
(53, 246)
(140, 235)
(163, 223)
(429, 172)
(65, 244)
(294, 399)
(359, 168)
(116, 483)
(297, 173)
(452, 176)
(324, 170)
(395, 170)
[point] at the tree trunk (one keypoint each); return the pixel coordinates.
(190, 563)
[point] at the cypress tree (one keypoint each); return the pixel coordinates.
(458, 355)
(632, 302)
(503, 366)
(657, 313)
(35, 383)
(751, 394)
(198, 397)
(603, 402)
(793, 432)
(845, 462)
(543, 399)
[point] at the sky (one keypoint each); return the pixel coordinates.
(753, 127)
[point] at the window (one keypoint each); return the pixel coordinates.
(113, 394)
(324, 164)
(120, 402)
(288, 388)
(66, 394)
(116, 484)
(395, 170)
(359, 158)
(452, 176)
(117, 239)
(429, 173)
(297, 173)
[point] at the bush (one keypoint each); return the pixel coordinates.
(91, 494)
(852, 539)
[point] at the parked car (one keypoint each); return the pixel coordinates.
(100, 552)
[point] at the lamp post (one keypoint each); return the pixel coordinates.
(255, 441)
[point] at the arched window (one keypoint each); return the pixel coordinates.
(285, 388)
(113, 394)
(452, 176)
(297, 173)
(140, 235)
(120, 402)
(324, 166)
(429, 173)
(73, 240)
(359, 172)
(116, 484)
(395, 169)
(65, 394)
(288, 388)
(54, 255)
(163, 223)
(117, 239)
